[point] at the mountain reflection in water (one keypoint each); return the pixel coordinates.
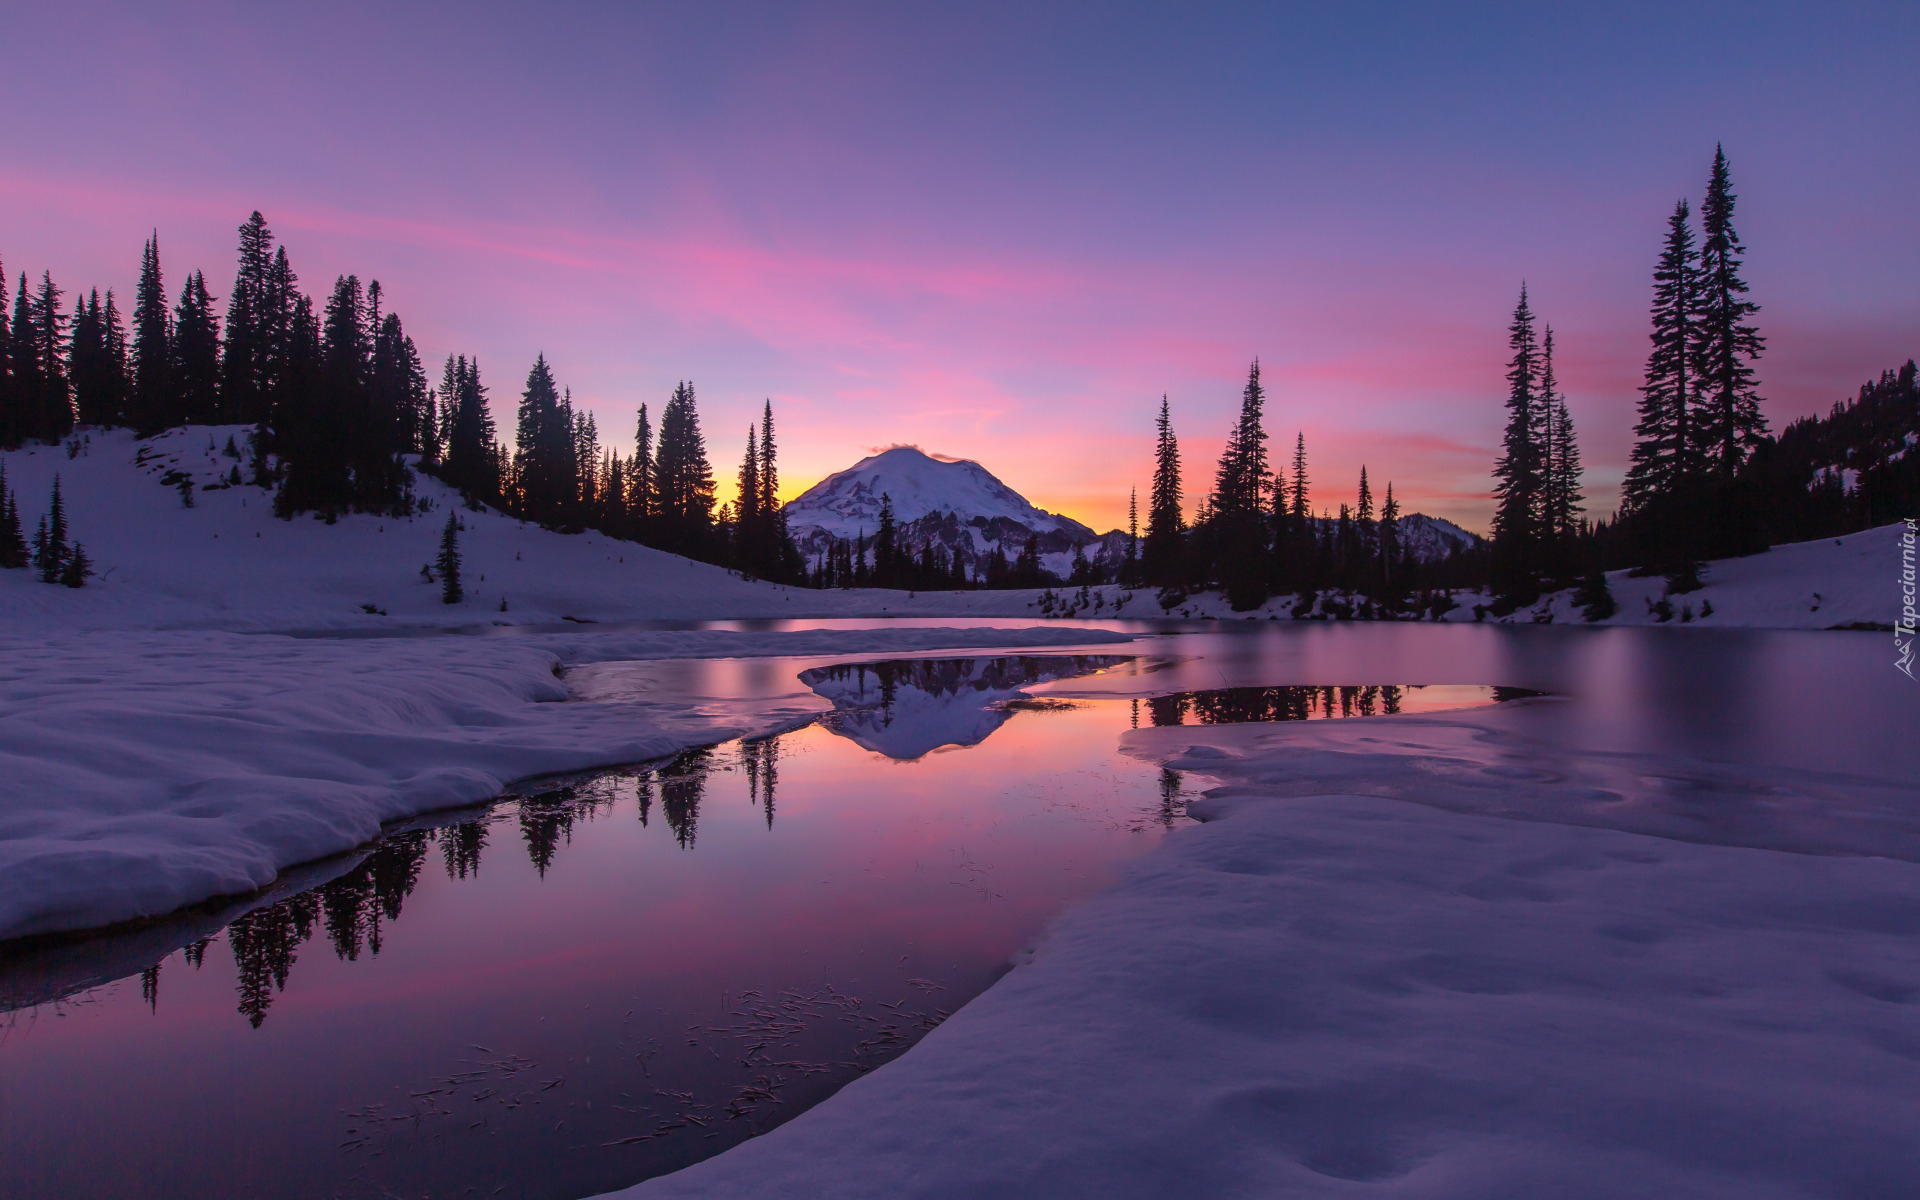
(905, 708)
(609, 975)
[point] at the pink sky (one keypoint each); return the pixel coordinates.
(1001, 241)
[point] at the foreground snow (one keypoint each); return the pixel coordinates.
(145, 771)
(1337, 994)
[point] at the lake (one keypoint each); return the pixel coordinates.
(605, 977)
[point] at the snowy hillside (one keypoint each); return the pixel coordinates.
(228, 563)
(847, 503)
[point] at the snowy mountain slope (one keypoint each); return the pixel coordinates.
(959, 505)
(847, 503)
(1430, 539)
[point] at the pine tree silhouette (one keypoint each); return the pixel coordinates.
(50, 550)
(1517, 473)
(1664, 455)
(448, 563)
(1726, 344)
(153, 396)
(1161, 556)
(196, 355)
(14, 552)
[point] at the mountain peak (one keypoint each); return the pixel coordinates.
(847, 502)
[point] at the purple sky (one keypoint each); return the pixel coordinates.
(997, 233)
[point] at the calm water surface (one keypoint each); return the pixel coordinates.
(610, 976)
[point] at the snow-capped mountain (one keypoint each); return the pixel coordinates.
(847, 503)
(959, 504)
(954, 503)
(1430, 539)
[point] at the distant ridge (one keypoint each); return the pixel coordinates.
(955, 502)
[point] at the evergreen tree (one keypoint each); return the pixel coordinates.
(769, 468)
(1725, 343)
(1566, 474)
(1389, 540)
(640, 492)
(1544, 428)
(1594, 598)
(307, 424)
(683, 478)
(747, 519)
(78, 568)
(97, 354)
(116, 384)
(245, 355)
(153, 396)
(1517, 474)
(24, 382)
(448, 563)
(398, 385)
(196, 355)
(50, 331)
(11, 432)
(1301, 511)
(1238, 502)
(14, 554)
(50, 543)
(1161, 557)
(1664, 456)
(86, 346)
(886, 549)
(586, 460)
(471, 464)
(543, 451)
(1130, 571)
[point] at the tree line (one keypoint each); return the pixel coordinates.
(1707, 479)
(342, 410)
(1256, 535)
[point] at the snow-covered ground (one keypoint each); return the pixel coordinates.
(1428, 957)
(158, 747)
(1423, 956)
(228, 564)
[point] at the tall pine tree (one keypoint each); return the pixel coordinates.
(11, 433)
(1518, 472)
(544, 482)
(252, 311)
(471, 462)
(1239, 509)
(1162, 557)
(1664, 457)
(683, 479)
(640, 488)
(196, 355)
(1726, 343)
(154, 404)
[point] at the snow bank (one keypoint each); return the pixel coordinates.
(145, 771)
(1341, 994)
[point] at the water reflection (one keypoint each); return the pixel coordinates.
(1224, 706)
(646, 972)
(906, 708)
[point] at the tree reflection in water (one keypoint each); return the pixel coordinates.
(353, 908)
(1227, 706)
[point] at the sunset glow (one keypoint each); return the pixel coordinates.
(1004, 239)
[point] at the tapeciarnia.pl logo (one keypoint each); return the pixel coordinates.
(1903, 629)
